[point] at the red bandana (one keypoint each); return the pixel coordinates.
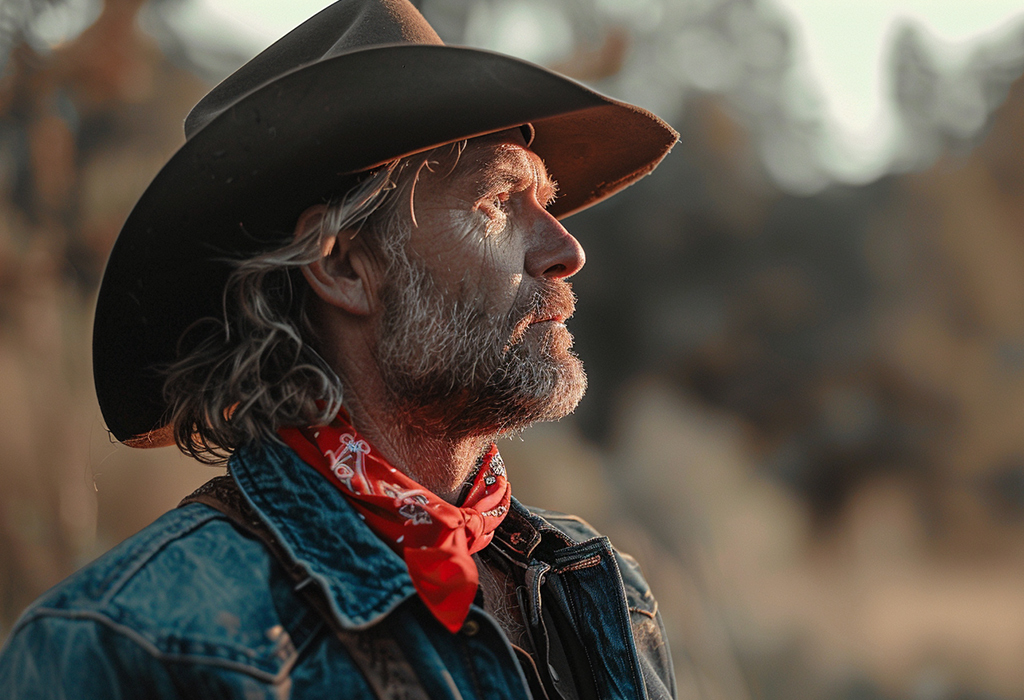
(435, 538)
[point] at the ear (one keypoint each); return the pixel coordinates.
(344, 276)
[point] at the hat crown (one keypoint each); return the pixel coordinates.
(342, 27)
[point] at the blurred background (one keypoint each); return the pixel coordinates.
(804, 332)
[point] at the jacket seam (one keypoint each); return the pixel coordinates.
(653, 614)
(154, 651)
(590, 561)
(145, 553)
(372, 613)
(571, 599)
(638, 676)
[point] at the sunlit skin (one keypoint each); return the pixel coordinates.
(483, 232)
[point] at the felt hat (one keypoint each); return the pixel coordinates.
(361, 83)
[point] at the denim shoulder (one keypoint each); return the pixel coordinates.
(647, 626)
(638, 593)
(188, 593)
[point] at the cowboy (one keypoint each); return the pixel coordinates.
(351, 280)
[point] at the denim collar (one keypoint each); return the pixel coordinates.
(364, 578)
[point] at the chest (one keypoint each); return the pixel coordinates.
(541, 632)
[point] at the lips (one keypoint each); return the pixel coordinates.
(557, 318)
(555, 303)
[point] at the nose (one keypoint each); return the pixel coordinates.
(553, 252)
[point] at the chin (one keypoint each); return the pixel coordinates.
(546, 393)
(476, 393)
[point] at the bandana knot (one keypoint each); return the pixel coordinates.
(435, 538)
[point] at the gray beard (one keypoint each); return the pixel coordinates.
(452, 369)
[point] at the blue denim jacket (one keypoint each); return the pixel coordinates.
(192, 608)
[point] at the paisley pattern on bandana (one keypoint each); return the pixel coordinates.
(435, 538)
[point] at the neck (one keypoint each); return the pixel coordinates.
(431, 457)
(442, 464)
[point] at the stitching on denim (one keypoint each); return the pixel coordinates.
(624, 621)
(590, 561)
(653, 615)
(570, 597)
(378, 607)
(149, 647)
(151, 546)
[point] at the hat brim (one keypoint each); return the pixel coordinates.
(238, 185)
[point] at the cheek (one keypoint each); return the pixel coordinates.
(467, 261)
(506, 291)
(451, 238)
(501, 272)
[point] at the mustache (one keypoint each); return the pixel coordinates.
(551, 300)
(554, 301)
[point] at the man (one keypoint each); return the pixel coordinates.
(352, 280)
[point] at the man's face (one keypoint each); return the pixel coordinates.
(472, 339)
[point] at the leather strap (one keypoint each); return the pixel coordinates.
(376, 653)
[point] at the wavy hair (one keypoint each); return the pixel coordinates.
(256, 369)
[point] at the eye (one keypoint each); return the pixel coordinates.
(493, 203)
(500, 201)
(495, 208)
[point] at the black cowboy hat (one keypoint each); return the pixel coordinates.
(359, 84)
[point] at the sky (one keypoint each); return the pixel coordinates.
(845, 42)
(845, 45)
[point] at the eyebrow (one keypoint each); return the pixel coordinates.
(518, 170)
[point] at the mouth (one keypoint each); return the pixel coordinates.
(542, 322)
(556, 318)
(552, 305)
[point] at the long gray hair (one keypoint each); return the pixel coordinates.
(256, 368)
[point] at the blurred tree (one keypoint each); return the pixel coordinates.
(83, 128)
